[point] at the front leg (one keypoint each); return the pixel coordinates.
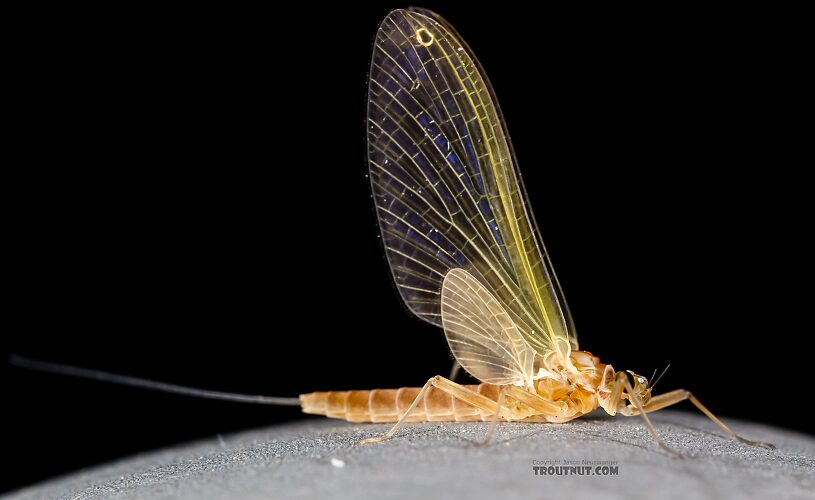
(622, 379)
(673, 397)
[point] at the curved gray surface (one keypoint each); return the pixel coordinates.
(321, 458)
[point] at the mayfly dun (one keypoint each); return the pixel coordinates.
(465, 254)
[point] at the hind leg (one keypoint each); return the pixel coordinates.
(454, 371)
(457, 391)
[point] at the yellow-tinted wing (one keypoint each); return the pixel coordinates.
(445, 182)
(481, 334)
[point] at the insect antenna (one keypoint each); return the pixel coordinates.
(114, 378)
(660, 376)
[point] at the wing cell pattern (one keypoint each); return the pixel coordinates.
(445, 183)
(483, 338)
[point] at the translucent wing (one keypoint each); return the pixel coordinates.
(549, 270)
(447, 190)
(481, 334)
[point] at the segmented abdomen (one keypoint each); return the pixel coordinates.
(387, 405)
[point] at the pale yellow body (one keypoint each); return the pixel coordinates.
(465, 253)
(387, 405)
(572, 396)
(555, 395)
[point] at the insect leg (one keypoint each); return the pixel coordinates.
(412, 406)
(541, 405)
(448, 386)
(494, 419)
(458, 391)
(622, 377)
(673, 397)
(454, 370)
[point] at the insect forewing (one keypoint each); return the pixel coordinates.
(481, 334)
(445, 182)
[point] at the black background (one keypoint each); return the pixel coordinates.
(187, 201)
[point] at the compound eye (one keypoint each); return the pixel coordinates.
(641, 380)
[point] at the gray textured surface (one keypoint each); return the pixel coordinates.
(441, 460)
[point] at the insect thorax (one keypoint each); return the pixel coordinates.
(574, 384)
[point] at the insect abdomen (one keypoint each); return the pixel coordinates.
(387, 405)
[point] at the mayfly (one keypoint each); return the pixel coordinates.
(465, 254)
